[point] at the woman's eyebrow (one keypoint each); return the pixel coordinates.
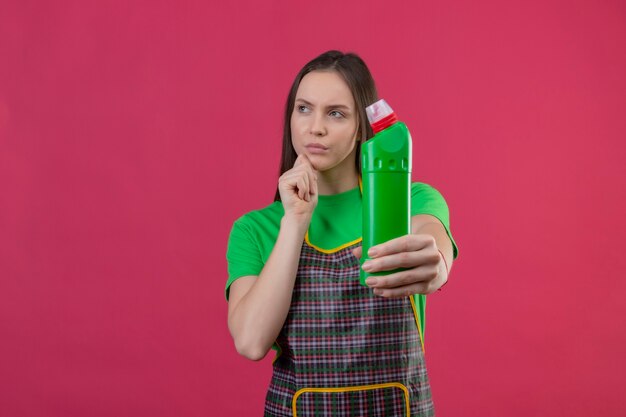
(331, 106)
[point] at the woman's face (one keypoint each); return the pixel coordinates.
(324, 121)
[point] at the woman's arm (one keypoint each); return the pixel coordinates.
(258, 306)
(428, 224)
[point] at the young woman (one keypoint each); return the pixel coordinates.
(342, 349)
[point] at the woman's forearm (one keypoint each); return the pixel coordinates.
(256, 320)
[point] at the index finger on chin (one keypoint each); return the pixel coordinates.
(301, 159)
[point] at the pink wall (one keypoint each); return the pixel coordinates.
(132, 134)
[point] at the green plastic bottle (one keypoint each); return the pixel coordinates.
(386, 173)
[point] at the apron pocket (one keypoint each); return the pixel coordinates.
(380, 400)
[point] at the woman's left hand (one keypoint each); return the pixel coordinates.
(425, 270)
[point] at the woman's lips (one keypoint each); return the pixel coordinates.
(316, 148)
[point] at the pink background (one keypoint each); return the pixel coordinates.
(132, 135)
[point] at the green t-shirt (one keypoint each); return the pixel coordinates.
(336, 221)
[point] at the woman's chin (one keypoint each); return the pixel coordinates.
(317, 161)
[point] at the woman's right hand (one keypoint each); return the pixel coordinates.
(298, 189)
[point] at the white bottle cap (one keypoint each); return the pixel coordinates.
(378, 111)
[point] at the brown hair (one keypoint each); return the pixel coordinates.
(360, 82)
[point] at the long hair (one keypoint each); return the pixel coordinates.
(361, 84)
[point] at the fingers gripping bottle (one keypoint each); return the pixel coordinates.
(386, 174)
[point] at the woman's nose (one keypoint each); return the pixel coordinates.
(318, 128)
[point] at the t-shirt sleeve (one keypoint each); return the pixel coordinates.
(243, 254)
(427, 200)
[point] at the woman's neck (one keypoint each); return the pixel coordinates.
(335, 182)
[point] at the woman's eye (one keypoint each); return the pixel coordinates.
(336, 114)
(302, 109)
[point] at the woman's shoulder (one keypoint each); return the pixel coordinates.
(422, 187)
(422, 190)
(427, 199)
(253, 236)
(268, 216)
